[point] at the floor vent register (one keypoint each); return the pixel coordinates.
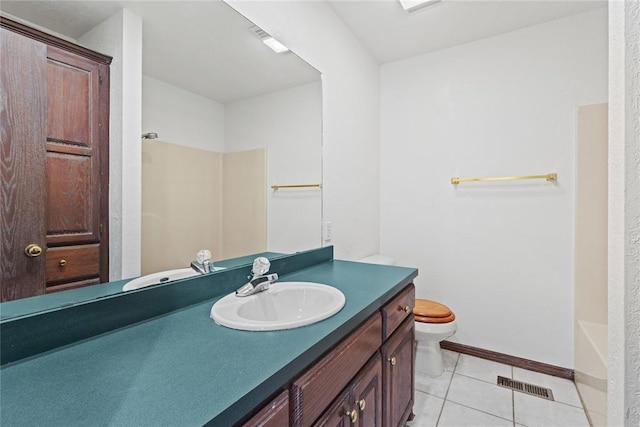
(531, 389)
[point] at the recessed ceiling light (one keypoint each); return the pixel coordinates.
(267, 39)
(275, 45)
(411, 5)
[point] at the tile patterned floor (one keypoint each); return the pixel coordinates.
(466, 394)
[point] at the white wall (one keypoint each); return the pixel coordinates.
(289, 124)
(500, 255)
(350, 89)
(120, 36)
(624, 214)
(181, 117)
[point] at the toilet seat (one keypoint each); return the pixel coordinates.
(428, 311)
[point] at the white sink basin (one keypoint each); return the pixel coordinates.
(162, 277)
(285, 305)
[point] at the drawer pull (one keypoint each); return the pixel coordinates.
(353, 415)
(32, 250)
(62, 262)
(406, 309)
(362, 404)
(393, 361)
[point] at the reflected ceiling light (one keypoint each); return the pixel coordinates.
(412, 5)
(267, 39)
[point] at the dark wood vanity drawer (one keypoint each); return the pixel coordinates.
(398, 309)
(312, 392)
(71, 262)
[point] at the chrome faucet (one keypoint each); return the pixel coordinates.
(203, 263)
(260, 280)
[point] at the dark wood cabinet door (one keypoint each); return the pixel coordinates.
(360, 404)
(398, 370)
(339, 412)
(367, 392)
(22, 158)
(314, 390)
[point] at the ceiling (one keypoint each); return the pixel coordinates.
(390, 33)
(205, 47)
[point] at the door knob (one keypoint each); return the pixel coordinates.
(393, 361)
(32, 250)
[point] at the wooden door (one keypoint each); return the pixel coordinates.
(23, 78)
(54, 188)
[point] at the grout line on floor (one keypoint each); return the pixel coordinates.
(444, 399)
(477, 410)
(480, 379)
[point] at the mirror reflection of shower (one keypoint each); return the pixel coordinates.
(150, 135)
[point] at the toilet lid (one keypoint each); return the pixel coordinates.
(428, 311)
(423, 319)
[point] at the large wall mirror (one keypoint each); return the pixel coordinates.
(225, 119)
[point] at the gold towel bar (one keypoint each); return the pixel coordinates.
(277, 187)
(548, 177)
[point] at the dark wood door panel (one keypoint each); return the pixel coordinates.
(72, 97)
(22, 157)
(72, 199)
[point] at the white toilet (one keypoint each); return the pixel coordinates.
(434, 322)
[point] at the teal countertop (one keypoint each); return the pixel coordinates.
(181, 368)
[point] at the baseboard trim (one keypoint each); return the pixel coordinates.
(518, 362)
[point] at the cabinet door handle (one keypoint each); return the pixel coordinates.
(362, 404)
(62, 262)
(353, 415)
(392, 360)
(406, 309)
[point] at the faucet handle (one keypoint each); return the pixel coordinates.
(203, 255)
(260, 266)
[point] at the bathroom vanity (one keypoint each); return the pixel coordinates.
(180, 368)
(366, 380)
